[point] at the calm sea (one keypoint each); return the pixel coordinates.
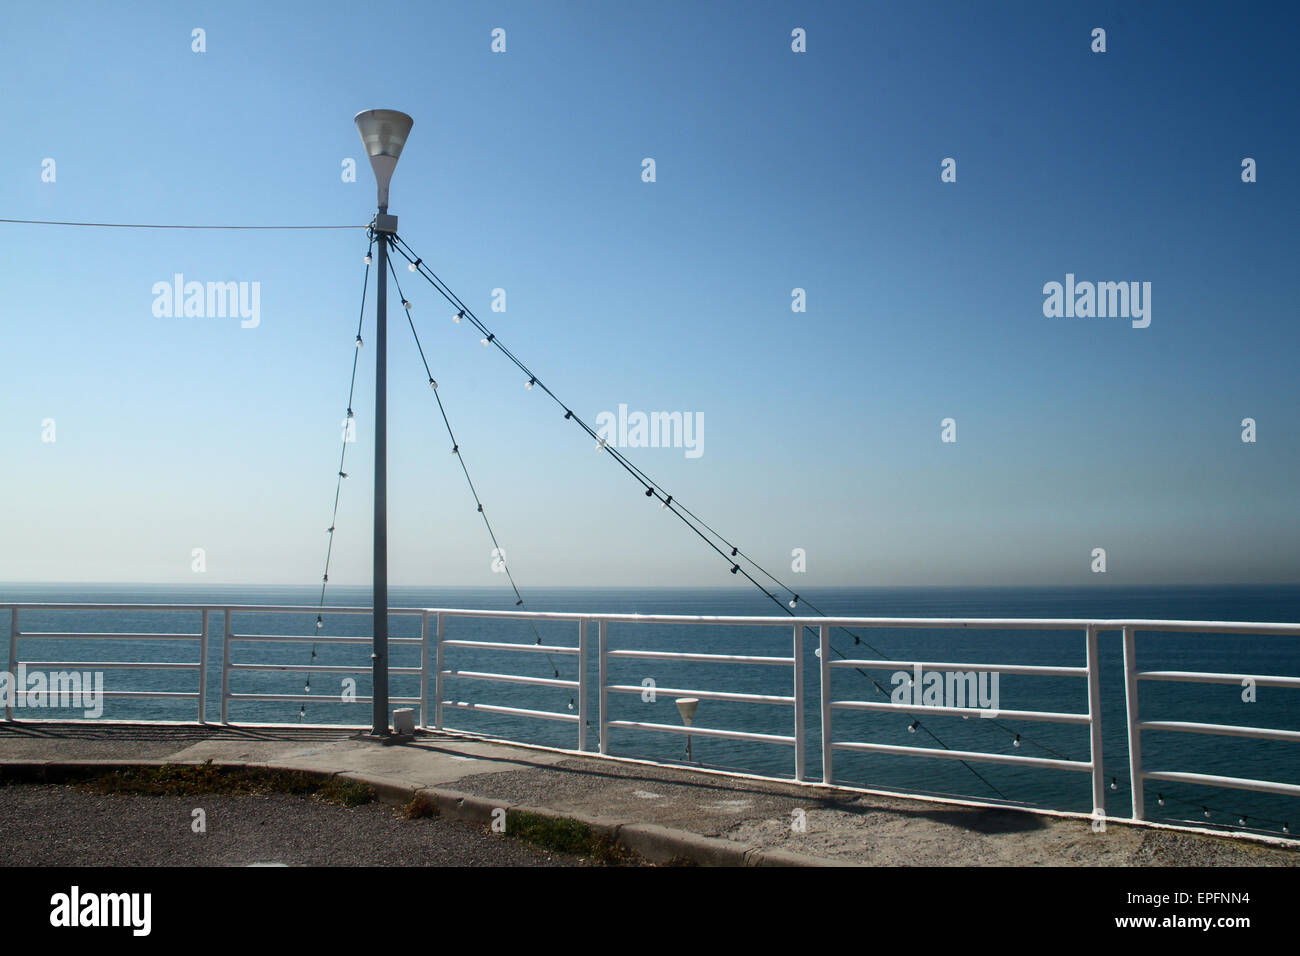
(1067, 790)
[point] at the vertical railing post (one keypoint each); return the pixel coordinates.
(225, 673)
(1094, 721)
(1134, 734)
(13, 661)
(203, 670)
(582, 684)
(424, 669)
(439, 634)
(824, 652)
(602, 648)
(800, 744)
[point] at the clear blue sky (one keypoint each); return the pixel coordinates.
(775, 170)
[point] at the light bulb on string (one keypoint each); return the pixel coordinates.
(359, 343)
(412, 266)
(530, 383)
(911, 728)
(458, 316)
(1113, 784)
(1206, 810)
(794, 601)
(1016, 742)
(406, 305)
(367, 258)
(1160, 799)
(484, 342)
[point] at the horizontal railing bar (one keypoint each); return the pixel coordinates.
(233, 608)
(701, 694)
(508, 646)
(178, 695)
(152, 665)
(1045, 716)
(1041, 670)
(1233, 783)
(1208, 677)
(320, 668)
(764, 621)
(1224, 730)
(716, 658)
(1221, 627)
(308, 639)
(319, 699)
(966, 755)
(701, 731)
(517, 711)
(1138, 624)
(100, 636)
(511, 678)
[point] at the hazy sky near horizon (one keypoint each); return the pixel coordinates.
(774, 170)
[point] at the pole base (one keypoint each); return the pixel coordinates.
(386, 739)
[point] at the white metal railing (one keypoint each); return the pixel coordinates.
(1132, 676)
(200, 666)
(435, 648)
(1091, 718)
(441, 671)
(231, 638)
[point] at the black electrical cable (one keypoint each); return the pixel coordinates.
(141, 225)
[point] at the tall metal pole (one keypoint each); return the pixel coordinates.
(383, 133)
(379, 654)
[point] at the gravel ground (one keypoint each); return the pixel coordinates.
(64, 826)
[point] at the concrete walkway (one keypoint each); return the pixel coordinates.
(664, 814)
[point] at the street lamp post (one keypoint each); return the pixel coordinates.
(384, 133)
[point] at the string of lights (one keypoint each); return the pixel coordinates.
(1209, 812)
(652, 488)
(348, 433)
(498, 552)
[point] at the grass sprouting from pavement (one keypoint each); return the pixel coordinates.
(193, 779)
(421, 806)
(565, 836)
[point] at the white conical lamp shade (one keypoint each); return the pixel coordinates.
(383, 133)
(687, 706)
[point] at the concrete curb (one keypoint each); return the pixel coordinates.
(655, 843)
